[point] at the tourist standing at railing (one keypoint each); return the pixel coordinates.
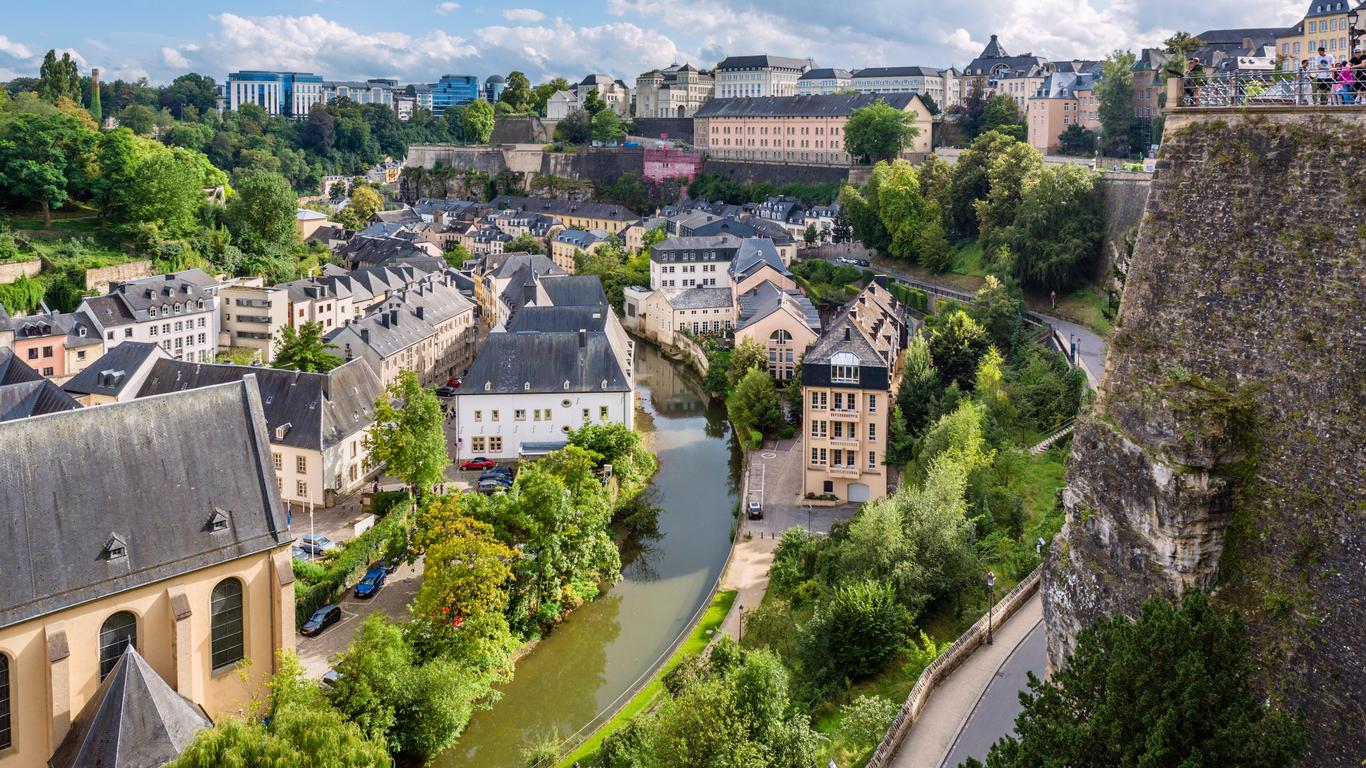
(1302, 93)
(1323, 77)
(1358, 62)
(1195, 77)
(1346, 84)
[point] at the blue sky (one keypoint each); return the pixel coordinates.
(419, 41)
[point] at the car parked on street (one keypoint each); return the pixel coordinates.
(316, 544)
(299, 553)
(370, 584)
(476, 464)
(321, 619)
(445, 391)
(754, 510)
(492, 486)
(499, 477)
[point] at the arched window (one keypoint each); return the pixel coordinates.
(780, 336)
(225, 622)
(117, 633)
(6, 739)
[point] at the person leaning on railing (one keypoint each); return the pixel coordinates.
(1346, 89)
(1358, 62)
(1302, 92)
(1323, 77)
(1195, 78)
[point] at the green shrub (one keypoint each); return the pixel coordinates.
(355, 557)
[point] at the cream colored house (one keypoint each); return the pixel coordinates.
(782, 321)
(675, 91)
(1065, 99)
(801, 129)
(182, 554)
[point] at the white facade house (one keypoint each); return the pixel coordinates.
(560, 104)
(741, 76)
(178, 311)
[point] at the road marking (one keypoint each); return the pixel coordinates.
(768, 455)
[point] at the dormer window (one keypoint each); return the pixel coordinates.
(488, 386)
(115, 548)
(526, 386)
(282, 430)
(218, 521)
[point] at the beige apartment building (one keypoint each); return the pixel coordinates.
(1063, 100)
(177, 564)
(802, 129)
(1324, 26)
(849, 377)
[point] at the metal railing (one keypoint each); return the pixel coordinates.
(1274, 89)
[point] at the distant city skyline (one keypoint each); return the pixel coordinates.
(420, 40)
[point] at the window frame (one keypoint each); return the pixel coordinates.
(214, 616)
(112, 659)
(6, 704)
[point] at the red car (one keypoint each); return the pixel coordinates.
(478, 463)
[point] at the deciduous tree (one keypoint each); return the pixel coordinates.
(477, 121)
(407, 434)
(43, 159)
(879, 132)
(956, 346)
(1057, 228)
(261, 214)
(607, 126)
(1115, 95)
(305, 350)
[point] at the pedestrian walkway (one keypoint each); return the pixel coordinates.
(952, 708)
(747, 574)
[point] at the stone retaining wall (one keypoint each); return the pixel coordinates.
(11, 271)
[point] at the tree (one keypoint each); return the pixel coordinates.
(465, 568)
(524, 243)
(407, 434)
(842, 231)
(138, 119)
(190, 91)
(607, 126)
(261, 214)
(703, 725)
(305, 350)
(167, 190)
(43, 159)
(1002, 114)
(971, 113)
(517, 93)
(457, 255)
(576, 128)
(853, 633)
(593, 103)
(866, 719)
(59, 78)
(1057, 229)
(999, 308)
(1115, 94)
(1179, 47)
(477, 121)
(894, 193)
(754, 403)
(930, 104)
(861, 214)
(748, 354)
(935, 252)
(1077, 141)
(1010, 174)
(957, 345)
(810, 234)
(319, 131)
(1176, 687)
(879, 132)
(364, 202)
(972, 180)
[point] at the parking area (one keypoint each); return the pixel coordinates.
(393, 599)
(775, 475)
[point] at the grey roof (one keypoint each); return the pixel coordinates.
(33, 398)
(597, 79)
(896, 72)
(606, 211)
(187, 287)
(574, 290)
(993, 50)
(317, 410)
(762, 61)
(753, 254)
(767, 298)
(495, 79)
(1015, 65)
(825, 73)
(726, 244)
(506, 265)
(384, 229)
(151, 472)
(134, 720)
(76, 326)
(844, 335)
(536, 361)
(581, 239)
(437, 300)
(379, 251)
(834, 104)
(559, 319)
(399, 216)
(381, 334)
(110, 311)
(110, 374)
(13, 370)
(701, 298)
(1064, 85)
(1235, 37)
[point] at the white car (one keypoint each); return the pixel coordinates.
(754, 510)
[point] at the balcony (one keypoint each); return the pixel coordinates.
(847, 441)
(842, 470)
(851, 414)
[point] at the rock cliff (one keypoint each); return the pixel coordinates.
(1227, 448)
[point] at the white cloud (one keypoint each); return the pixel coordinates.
(621, 49)
(529, 15)
(174, 59)
(15, 49)
(446, 8)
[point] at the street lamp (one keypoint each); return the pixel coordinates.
(742, 624)
(1352, 30)
(808, 519)
(991, 594)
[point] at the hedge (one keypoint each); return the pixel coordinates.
(912, 297)
(313, 590)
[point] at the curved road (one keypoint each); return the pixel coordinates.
(995, 712)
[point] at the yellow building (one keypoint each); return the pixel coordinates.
(151, 524)
(849, 378)
(1325, 25)
(608, 217)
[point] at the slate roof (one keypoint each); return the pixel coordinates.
(75, 326)
(380, 251)
(536, 361)
(400, 216)
(844, 335)
(828, 105)
(110, 374)
(110, 311)
(574, 290)
(581, 239)
(761, 61)
(559, 319)
(753, 254)
(1064, 85)
(993, 50)
(767, 298)
(15, 371)
(305, 214)
(437, 299)
(605, 211)
(505, 265)
(825, 73)
(318, 410)
(868, 72)
(381, 335)
(33, 398)
(150, 471)
(134, 720)
(724, 245)
(188, 287)
(1234, 37)
(701, 298)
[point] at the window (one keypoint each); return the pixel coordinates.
(847, 374)
(872, 459)
(493, 415)
(301, 464)
(6, 740)
(495, 445)
(33, 353)
(602, 412)
(478, 415)
(301, 489)
(225, 623)
(872, 432)
(872, 403)
(47, 351)
(585, 414)
(520, 414)
(477, 444)
(128, 333)
(117, 633)
(818, 401)
(279, 462)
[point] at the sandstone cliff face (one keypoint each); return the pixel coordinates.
(1227, 449)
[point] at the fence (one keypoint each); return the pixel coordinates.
(941, 667)
(1273, 89)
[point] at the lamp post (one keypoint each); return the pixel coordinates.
(741, 639)
(1352, 31)
(991, 594)
(808, 519)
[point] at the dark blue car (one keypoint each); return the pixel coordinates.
(370, 583)
(497, 477)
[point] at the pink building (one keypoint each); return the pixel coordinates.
(666, 163)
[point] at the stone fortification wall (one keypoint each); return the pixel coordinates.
(1225, 451)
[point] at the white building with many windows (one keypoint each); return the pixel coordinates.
(763, 75)
(178, 311)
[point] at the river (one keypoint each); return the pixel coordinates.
(603, 647)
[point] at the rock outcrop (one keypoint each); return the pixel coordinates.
(1227, 448)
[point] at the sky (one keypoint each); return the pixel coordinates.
(420, 40)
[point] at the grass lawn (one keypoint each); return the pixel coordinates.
(72, 218)
(1084, 305)
(969, 259)
(646, 698)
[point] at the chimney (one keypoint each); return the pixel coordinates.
(365, 335)
(583, 338)
(393, 317)
(846, 334)
(419, 312)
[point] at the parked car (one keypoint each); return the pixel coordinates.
(330, 677)
(445, 391)
(321, 619)
(862, 262)
(389, 564)
(754, 510)
(505, 471)
(316, 544)
(492, 486)
(476, 464)
(454, 383)
(370, 584)
(299, 553)
(498, 477)
(844, 260)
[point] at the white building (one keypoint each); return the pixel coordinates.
(560, 104)
(823, 80)
(178, 311)
(675, 91)
(614, 93)
(739, 76)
